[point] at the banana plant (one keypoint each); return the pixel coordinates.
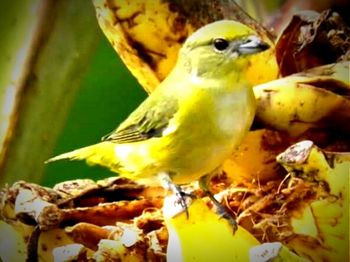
(46, 46)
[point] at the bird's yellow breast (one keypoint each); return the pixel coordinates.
(210, 123)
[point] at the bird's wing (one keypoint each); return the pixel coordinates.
(147, 121)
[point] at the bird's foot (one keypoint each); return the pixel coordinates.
(183, 198)
(179, 201)
(223, 213)
(220, 209)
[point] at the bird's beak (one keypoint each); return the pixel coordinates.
(254, 45)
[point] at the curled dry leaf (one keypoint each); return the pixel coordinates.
(79, 200)
(312, 39)
(108, 213)
(37, 213)
(314, 100)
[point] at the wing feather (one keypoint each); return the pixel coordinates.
(147, 121)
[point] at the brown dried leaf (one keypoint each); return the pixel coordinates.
(31, 208)
(108, 213)
(150, 220)
(312, 39)
(87, 234)
(86, 192)
(77, 201)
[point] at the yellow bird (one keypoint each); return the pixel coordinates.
(194, 119)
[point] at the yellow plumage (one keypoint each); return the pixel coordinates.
(194, 119)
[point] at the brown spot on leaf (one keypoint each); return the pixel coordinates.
(44, 247)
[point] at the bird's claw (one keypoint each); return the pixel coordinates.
(182, 198)
(223, 213)
(221, 210)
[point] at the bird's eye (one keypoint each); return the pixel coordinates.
(220, 44)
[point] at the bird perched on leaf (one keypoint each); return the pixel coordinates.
(194, 119)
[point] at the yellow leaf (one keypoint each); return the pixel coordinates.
(204, 236)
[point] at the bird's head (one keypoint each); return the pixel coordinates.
(220, 48)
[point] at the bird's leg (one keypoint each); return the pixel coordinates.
(220, 209)
(182, 197)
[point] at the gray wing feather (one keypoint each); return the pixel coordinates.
(147, 121)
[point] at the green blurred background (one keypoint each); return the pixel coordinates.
(107, 95)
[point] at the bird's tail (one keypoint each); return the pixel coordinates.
(98, 154)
